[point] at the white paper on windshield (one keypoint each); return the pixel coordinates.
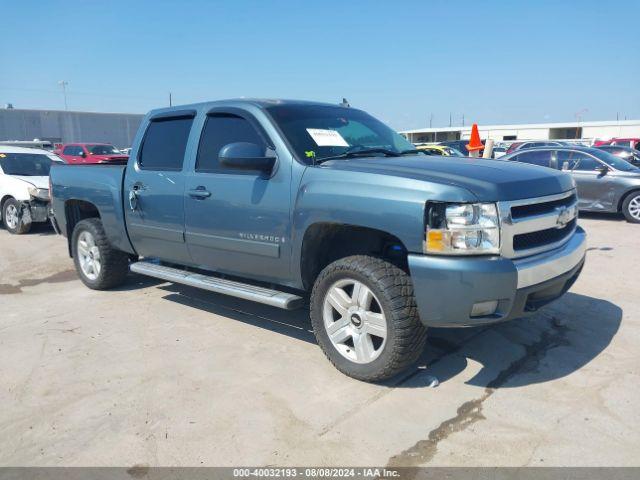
(327, 138)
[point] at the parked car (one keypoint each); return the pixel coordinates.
(35, 143)
(605, 182)
(24, 187)
(532, 144)
(460, 145)
(91, 153)
(296, 198)
(499, 151)
(442, 150)
(631, 142)
(631, 155)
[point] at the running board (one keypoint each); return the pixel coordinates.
(275, 298)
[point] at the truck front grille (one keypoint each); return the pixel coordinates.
(525, 241)
(536, 225)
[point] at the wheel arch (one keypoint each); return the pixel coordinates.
(76, 210)
(326, 242)
(624, 196)
(3, 200)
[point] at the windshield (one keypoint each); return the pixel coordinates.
(103, 150)
(318, 131)
(27, 164)
(615, 162)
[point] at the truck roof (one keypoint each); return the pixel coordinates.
(257, 102)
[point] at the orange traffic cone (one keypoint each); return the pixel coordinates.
(475, 144)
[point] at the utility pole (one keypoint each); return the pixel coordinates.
(463, 119)
(63, 84)
(170, 101)
(430, 120)
(450, 119)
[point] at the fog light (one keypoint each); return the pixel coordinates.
(483, 309)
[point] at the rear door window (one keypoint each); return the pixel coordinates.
(165, 143)
(71, 150)
(535, 157)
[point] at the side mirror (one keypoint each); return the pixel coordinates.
(603, 169)
(83, 154)
(247, 156)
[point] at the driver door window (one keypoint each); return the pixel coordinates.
(577, 161)
(221, 130)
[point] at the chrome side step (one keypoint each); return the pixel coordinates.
(275, 298)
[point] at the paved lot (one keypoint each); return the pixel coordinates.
(159, 374)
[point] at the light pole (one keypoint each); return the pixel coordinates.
(63, 84)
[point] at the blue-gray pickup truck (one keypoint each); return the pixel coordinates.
(284, 202)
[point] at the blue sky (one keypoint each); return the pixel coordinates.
(493, 61)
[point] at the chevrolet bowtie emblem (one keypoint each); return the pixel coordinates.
(565, 215)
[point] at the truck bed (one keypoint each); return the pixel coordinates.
(98, 184)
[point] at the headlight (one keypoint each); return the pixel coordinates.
(39, 193)
(462, 229)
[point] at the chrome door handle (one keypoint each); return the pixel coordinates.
(133, 199)
(199, 192)
(133, 195)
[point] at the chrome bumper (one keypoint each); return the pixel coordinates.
(548, 265)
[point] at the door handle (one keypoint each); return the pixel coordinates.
(133, 195)
(199, 192)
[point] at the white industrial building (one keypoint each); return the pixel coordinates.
(532, 131)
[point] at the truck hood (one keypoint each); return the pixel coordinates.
(38, 182)
(488, 180)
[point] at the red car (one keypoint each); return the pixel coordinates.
(623, 142)
(91, 153)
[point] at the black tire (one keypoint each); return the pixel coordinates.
(629, 207)
(114, 264)
(393, 292)
(23, 226)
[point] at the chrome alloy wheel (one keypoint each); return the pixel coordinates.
(634, 207)
(354, 321)
(12, 217)
(89, 256)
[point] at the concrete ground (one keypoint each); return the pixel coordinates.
(158, 374)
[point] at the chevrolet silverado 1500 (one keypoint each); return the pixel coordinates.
(271, 200)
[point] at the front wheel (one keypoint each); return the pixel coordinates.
(631, 207)
(99, 265)
(13, 219)
(365, 319)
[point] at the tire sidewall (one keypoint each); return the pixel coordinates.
(357, 370)
(625, 207)
(84, 226)
(21, 227)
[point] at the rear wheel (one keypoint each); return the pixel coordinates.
(13, 219)
(99, 265)
(365, 318)
(631, 207)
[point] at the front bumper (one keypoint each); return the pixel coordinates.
(38, 210)
(446, 288)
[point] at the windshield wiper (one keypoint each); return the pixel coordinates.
(363, 151)
(411, 151)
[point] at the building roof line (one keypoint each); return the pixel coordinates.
(516, 126)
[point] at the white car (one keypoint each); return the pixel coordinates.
(24, 186)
